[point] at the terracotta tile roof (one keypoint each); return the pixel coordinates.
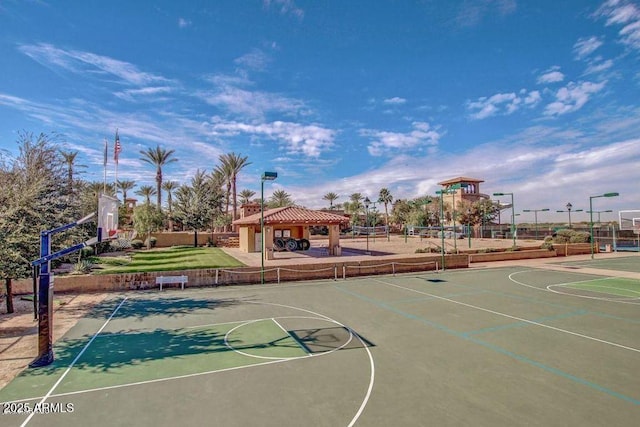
(293, 215)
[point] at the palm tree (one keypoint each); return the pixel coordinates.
(70, 160)
(246, 195)
(158, 157)
(146, 191)
(385, 197)
(280, 198)
(222, 173)
(233, 163)
(124, 186)
(170, 187)
(330, 197)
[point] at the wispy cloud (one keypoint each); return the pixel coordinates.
(286, 7)
(183, 23)
(143, 93)
(596, 67)
(572, 97)
(502, 103)
(586, 46)
(422, 135)
(395, 101)
(255, 60)
(309, 140)
(472, 12)
(80, 62)
(552, 75)
(626, 14)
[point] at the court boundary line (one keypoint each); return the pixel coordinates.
(633, 301)
(319, 316)
(496, 348)
(64, 374)
(624, 347)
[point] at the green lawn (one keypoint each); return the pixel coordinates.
(175, 258)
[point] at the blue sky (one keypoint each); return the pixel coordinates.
(539, 98)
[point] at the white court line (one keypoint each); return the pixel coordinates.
(632, 301)
(520, 319)
(46, 396)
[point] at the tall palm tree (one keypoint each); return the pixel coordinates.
(280, 198)
(246, 195)
(124, 186)
(158, 157)
(170, 187)
(69, 158)
(330, 197)
(222, 173)
(233, 163)
(385, 197)
(146, 191)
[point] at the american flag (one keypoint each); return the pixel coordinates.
(117, 148)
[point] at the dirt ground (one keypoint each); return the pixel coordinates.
(19, 330)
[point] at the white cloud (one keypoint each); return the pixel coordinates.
(255, 60)
(472, 12)
(552, 75)
(572, 97)
(285, 7)
(586, 46)
(395, 101)
(393, 142)
(85, 62)
(501, 103)
(309, 140)
(183, 23)
(145, 92)
(626, 14)
(598, 67)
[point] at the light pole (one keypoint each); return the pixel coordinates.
(600, 212)
(591, 215)
(441, 193)
(569, 206)
(266, 176)
(535, 213)
(366, 220)
(513, 215)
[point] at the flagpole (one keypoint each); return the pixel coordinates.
(104, 182)
(116, 152)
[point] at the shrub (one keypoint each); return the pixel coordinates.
(152, 240)
(120, 244)
(86, 252)
(82, 267)
(580, 237)
(137, 244)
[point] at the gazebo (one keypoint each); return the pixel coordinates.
(287, 222)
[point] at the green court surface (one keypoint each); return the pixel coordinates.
(629, 263)
(485, 347)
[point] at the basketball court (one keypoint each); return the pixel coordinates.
(550, 345)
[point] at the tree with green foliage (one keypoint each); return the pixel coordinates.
(246, 195)
(146, 191)
(124, 186)
(232, 164)
(147, 219)
(385, 198)
(330, 197)
(197, 205)
(34, 197)
(158, 157)
(279, 199)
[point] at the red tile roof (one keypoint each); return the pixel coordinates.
(293, 215)
(459, 179)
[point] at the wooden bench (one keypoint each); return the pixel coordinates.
(170, 280)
